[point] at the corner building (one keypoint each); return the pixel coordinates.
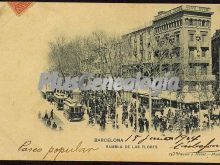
(183, 48)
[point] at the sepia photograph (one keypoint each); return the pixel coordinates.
(110, 82)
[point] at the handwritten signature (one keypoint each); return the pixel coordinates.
(186, 142)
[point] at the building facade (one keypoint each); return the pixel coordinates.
(215, 57)
(179, 43)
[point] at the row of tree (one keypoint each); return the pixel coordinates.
(98, 52)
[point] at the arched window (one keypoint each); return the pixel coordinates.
(170, 24)
(208, 23)
(203, 22)
(191, 22)
(178, 23)
(199, 22)
(194, 22)
(187, 21)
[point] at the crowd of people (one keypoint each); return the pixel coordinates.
(101, 109)
(134, 116)
(107, 107)
(188, 119)
(103, 105)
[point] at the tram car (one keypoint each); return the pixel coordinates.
(73, 110)
(59, 99)
(47, 93)
(75, 95)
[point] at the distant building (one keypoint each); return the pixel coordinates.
(216, 57)
(178, 42)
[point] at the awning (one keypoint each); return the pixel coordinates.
(195, 97)
(169, 95)
(76, 91)
(145, 93)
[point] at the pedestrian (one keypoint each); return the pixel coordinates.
(126, 123)
(131, 119)
(156, 122)
(140, 124)
(45, 116)
(54, 126)
(51, 114)
(146, 122)
(48, 122)
(187, 129)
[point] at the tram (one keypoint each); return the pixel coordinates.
(73, 110)
(47, 93)
(59, 99)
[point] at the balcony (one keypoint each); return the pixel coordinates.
(192, 43)
(198, 77)
(204, 44)
(201, 60)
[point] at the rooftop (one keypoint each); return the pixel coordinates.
(146, 26)
(162, 14)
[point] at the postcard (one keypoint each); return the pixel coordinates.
(128, 82)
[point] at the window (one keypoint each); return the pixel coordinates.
(204, 50)
(208, 23)
(177, 37)
(190, 22)
(175, 68)
(135, 46)
(203, 70)
(180, 22)
(141, 40)
(199, 23)
(191, 37)
(203, 53)
(191, 52)
(203, 37)
(194, 22)
(175, 24)
(203, 22)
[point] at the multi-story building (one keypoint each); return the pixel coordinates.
(215, 57)
(140, 50)
(178, 42)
